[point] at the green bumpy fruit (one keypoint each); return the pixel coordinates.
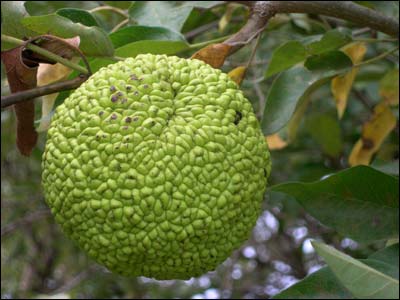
(156, 166)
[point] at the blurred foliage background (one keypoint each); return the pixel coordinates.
(38, 260)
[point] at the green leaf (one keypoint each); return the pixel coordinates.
(360, 279)
(154, 47)
(359, 202)
(321, 284)
(325, 130)
(137, 33)
(389, 87)
(285, 93)
(286, 56)
(390, 257)
(332, 60)
(331, 40)
(94, 40)
(12, 12)
(78, 16)
(294, 52)
(169, 14)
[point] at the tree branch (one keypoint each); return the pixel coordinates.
(25, 220)
(262, 11)
(43, 90)
(346, 10)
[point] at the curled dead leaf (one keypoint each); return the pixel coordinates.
(238, 74)
(275, 142)
(341, 85)
(214, 54)
(22, 76)
(374, 133)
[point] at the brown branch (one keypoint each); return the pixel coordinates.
(76, 280)
(262, 11)
(41, 91)
(346, 10)
(363, 98)
(24, 221)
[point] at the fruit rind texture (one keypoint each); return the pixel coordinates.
(156, 166)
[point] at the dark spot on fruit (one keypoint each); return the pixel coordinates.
(128, 87)
(125, 127)
(136, 93)
(119, 94)
(145, 86)
(367, 143)
(114, 98)
(112, 89)
(101, 113)
(113, 116)
(134, 77)
(238, 117)
(104, 136)
(124, 100)
(128, 119)
(135, 119)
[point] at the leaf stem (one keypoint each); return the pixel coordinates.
(119, 25)
(376, 58)
(110, 8)
(366, 40)
(206, 43)
(44, 52)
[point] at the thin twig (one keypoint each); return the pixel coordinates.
(363, 99)
(253, 51)
(110, 8)
(361, 31)
(206, 27)
(24, 221)
(378, 57)
(366, 40)
(76, 280)
(201, 29)
(206, 43)
(119, 25)
(42, 90)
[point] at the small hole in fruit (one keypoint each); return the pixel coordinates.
(238, 117)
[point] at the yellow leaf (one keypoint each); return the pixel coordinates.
(275, 142)
(224, 21)
(374, 133)
(48, 74)
(341, 85)
(214, 54)
(389, 87)
(237, 74)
